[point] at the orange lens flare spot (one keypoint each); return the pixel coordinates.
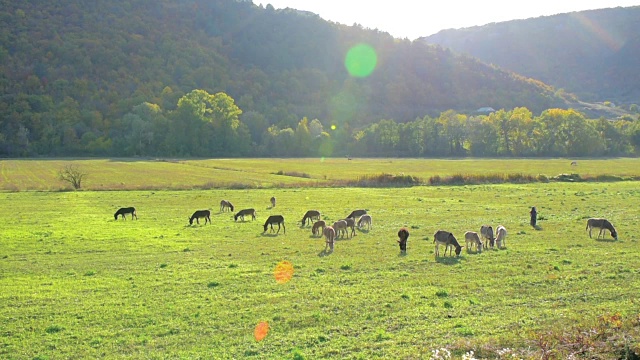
(261, 331)
(283, 272)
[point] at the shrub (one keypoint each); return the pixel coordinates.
(294, 174)
(568, 178)
(385, 180)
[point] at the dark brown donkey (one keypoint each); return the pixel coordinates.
(124, 211)
(310, 215)
(275, 219)
(356, 214)
(602, 224)
(403, 234)
(199, 214)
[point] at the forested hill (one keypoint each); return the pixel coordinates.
(72, 71)
(593, 54)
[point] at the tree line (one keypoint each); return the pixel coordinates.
(201, 124)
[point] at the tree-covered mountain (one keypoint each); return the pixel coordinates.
(593, 54)
(86, 76)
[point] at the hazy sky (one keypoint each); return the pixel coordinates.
(415, 18)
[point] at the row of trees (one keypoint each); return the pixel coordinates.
(212, 125)
(555, 132)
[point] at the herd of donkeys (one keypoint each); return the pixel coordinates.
(486, 239)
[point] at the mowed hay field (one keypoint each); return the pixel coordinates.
(77, 284)
(176, 174)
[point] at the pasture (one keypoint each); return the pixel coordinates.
(78, 284)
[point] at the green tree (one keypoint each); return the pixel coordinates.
(303, 138)
(453, 126)
(483, 137)
(520, 129)
(209, 125)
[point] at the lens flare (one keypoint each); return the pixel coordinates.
(283, 272)
(261, 331)
(333, 127)
(361, 60)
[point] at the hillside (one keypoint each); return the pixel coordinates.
(590, 53)
(71, 71)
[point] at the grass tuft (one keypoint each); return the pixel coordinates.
(52, 329)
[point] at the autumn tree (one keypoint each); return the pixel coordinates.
(73, 175)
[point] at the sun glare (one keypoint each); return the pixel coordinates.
(361, 60)
(283, 272)
(261, 331)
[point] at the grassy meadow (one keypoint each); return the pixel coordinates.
(77, 284)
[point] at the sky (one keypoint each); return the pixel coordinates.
(416, 18)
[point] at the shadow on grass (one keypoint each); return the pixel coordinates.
(342, 238)
(364, 231)
(449, 260)
(606, 240)
(537, 227)
(402, 253)
(195, 225)
(325, 252)
(271, 235)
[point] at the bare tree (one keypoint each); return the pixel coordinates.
(73, 175)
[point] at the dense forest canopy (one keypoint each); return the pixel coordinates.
(219, 78)
(593, 54)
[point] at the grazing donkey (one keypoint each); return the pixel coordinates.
(356, 213)
(124, 211)
(273, 201)
(351, 224)
(447, 239)
(315, 230)
(602, 224)
(199, 214)
(330, 235)
(501, 237)
(471, 238)
(365, 220)
(247, 212)
(403, 234)
(486, 232)
(226, 205)
(275, 219)
(340, 227)
(310, 215)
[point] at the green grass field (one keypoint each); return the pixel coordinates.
(77, 284)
